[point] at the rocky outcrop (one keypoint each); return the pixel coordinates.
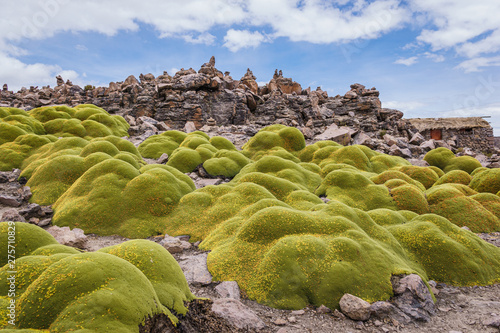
(209, 96)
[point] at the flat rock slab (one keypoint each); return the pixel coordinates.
(237, 314)
(195, 269)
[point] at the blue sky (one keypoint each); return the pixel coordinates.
(428, 58)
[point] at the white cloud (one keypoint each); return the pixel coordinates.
(403, 105)
(469, 27)
(204, 38)
(407, 61)
(476, 64)
(18, 74)
(239, 39)
(80, 47)
(434, 57)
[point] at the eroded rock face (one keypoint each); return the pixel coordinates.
(208, 95)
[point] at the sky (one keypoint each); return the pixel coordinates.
(428, 58)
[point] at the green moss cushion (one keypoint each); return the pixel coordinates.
(454, 203)
(51, 174)
(354, 189)
(226, 163)
(486, 181)
(444, 159)
(113, 290)
(119, 199)
(289, 138)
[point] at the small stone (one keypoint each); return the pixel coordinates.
(183, 238)
(237, 314)
(12, 215)
(44, 222)
(228, 289)
(338, 314)
(279, 322)
(292, 319)
(70, 237)
(355, 307)
(34, 220)
(171, 244)
(465, 228)
(10, 201)
(323, 309)
(298, 312)
(378, 323)
(189, 127)
(162, 159)
(282, 330)
(195, 269)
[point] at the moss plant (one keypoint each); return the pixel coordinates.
(450, 202)
(112, 290)
(355, 190)
(486, 181)
(424, 175)
(454, 176)
(119, 199)
(227, 163)
(289, 138)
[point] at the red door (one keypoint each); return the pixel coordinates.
(436, 134)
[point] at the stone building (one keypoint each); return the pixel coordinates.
(472, 132)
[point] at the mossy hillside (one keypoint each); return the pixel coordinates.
(21, 119)
(444, 159)
(79, 288)
(201, 211)
(47, 113)
(28, 238)
(307, 154)
(355, 190)
(119, 199)
(195, 149)
(424, 175)
(85, 120)
(164, 143)
(395, 174)
(448, 253)
(281, 168)
(454, 176)
(411, 198)
(288, 258)
(486, 181)
(158, 265)
(383, 162)
(455, 202)
(13, 154)
(49, 177)
(439, 157)
(227, 163)
(114, 289)
(289, 138)
(275, 151)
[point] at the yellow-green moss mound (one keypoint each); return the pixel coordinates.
(444, 159)
(117, 198)
(289, 138)
(85, 121)
(113, 290)
(164, 143)
(288, 258)
(50, 174)
(227, 163)
(486, 181)
(456, 203)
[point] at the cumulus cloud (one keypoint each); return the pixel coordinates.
(407, 61)
(477, 64)
(469, 27)
(18, 74)
(239, 39)
(434, 57)
(204, 38)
